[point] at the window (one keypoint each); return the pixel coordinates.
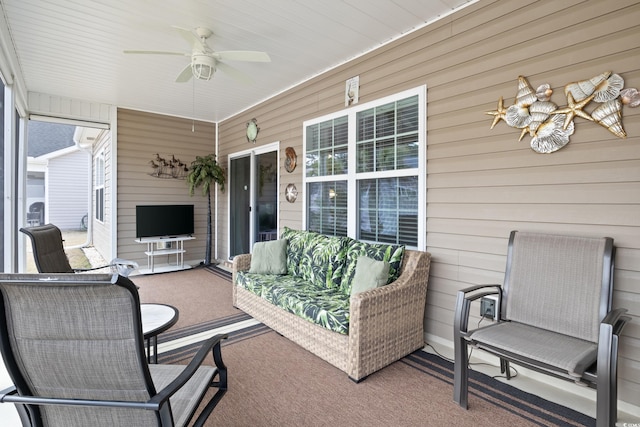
(99, 188)
(376, 153)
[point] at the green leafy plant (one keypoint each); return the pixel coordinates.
(205, 172)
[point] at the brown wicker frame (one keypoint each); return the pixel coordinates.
(385, 323)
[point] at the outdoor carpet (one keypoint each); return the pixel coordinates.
(274, 382)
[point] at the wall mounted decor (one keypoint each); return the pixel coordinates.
(549, 126)
(352, 91)
(171, 168)
(252, 130)
(291, 193)
(290, 160)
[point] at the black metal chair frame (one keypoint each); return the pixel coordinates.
(28, 405)
(48, 238)
(602, 375)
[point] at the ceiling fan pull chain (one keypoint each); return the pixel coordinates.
(193, 105)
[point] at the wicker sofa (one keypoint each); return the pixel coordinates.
(384, 323)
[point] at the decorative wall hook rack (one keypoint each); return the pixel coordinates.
(168, 167)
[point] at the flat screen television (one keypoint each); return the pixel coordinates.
(164, 220)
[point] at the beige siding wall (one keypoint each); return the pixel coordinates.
(482, 183)
(139, 137)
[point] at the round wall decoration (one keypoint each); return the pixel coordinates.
(252, 130)
(291, 193)
(290, 160)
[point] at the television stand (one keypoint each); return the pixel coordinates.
(153, 251)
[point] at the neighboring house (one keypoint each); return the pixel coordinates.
(58, 173)
(68, 180)
(100, 222)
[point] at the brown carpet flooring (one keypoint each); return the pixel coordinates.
(198, 295)
(274, 382)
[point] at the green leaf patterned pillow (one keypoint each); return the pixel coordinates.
(313, 257)
(378, 251)
(319, 263)
(295, 248)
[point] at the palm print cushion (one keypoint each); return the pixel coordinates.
(320, 270)
(295, 247)
(327, 307)
(315, 257)
(380, 252)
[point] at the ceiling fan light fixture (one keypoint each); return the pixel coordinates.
(203, 66)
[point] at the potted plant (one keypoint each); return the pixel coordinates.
(204, 172)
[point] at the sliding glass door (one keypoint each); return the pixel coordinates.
(240, 205)
(253, 198)
(266, 197)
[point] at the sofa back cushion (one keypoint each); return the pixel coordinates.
(369, 274)
(269, 257)
(314, 257)
(377, 251)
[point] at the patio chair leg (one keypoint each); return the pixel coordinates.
(607, 382)
(461, 373)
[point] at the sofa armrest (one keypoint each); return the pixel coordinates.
(240, 263)
(392, 315)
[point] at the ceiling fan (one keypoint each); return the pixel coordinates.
(204, 60)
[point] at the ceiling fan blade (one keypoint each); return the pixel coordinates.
(156, 52)
(242, 55)
(234, 73)
(193, 40)
(185, 75)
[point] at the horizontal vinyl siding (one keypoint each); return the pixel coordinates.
(140, 136)
(481, 182)
(68, 189)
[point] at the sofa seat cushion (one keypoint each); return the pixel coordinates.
(327, 307)
(314, 257)
(354, 249)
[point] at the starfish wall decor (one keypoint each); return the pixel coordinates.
(549, 126)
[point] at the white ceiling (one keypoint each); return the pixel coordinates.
(74, 48)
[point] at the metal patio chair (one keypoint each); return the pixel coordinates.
(49, 255)
(73, 347)
(554, 316)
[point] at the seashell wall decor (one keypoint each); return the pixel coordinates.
(550, 126)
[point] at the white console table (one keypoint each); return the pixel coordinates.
(177, 249)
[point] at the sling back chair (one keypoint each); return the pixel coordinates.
(554, 316)
(73, 347)
(49, 255)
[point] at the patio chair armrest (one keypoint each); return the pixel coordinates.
(471, 293)
(464, 299)
(212, 344)
(10, 395)
(124, 267)
(84, 270)
(616, 320)
(6, 392)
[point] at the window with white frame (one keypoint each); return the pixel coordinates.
(99, 187)
(365, 171)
